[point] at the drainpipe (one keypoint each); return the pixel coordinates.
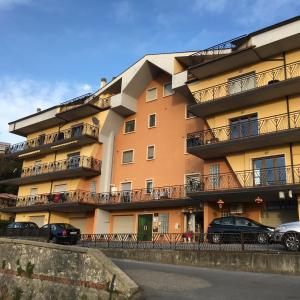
(287, 98)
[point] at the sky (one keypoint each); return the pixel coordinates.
(54, 50)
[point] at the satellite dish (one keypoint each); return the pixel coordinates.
(95, 121)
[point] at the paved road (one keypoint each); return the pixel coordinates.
(161, 281)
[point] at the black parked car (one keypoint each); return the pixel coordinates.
(22, 229)
(235, 228)
(61, 233)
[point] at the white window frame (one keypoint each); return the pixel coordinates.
(124, 132)
(185, 146)
(186, 113)
(146, 181)
(167, 83)
(124, 163)
(147, 157)
(154, 114)
(152, 88)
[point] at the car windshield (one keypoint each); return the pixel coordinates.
(65, 226)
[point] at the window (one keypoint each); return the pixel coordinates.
(244, 222)
(193, 182)
(76, 130)
(188, 114)
(241, 83)
(269, 170)
(150, 152)
(152, 121)
(73, 160)
(163, 223)
(127, 157)
(129, 126)
(37, 169)
(214, 176)
(60, 188)
(93, 187)
(149, 186)
(41, 139)
(33, 191)
(168, 89)
(151, 94)
(243, 126)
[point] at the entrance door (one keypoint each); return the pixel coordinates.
(145, 228)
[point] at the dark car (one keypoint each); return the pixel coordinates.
(61, 233)
(22, 229)
(235, 229)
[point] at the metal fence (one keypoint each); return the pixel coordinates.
(184, 241)
(248, 82)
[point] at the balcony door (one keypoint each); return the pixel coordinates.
(269, 170)
(244, 126)
(126, 191)
(214, 176)
(74, 160)
(241, 83)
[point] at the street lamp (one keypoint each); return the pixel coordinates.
(258, 200)
(220, 202)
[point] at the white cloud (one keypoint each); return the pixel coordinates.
(10, 4)
(21, 97)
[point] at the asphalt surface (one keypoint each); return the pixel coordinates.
(160, 281)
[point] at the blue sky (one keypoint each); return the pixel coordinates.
(53, 50)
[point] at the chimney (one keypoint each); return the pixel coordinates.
(38, 109)
(103, 82)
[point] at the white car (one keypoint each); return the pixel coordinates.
(288, 234)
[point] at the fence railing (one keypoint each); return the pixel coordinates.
(114, 197)
(264, 177)
(240, 241)
(102, 103)
(245, 129)
(62, 165)
(219, 48)
(58, 136)
(248, 82)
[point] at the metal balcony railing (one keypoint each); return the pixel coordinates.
(76, 196)
(80, 196)
(55, 137)
(248, 82)
(244, 129)
(219, 48)
(71, 163)
(102, 103)
(265, 177)
(141, 195)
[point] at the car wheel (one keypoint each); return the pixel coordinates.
(262, 238)
(292, 241)
(216, 238)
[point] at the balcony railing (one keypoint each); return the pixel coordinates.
(101, 103)
(71, 163)
(55, 137)
(248, 82)
(267, 177)
(219, 49)
(76, 196)
(80, 196)
(245, 130)
(141, 195)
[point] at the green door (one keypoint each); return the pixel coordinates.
(145, 228)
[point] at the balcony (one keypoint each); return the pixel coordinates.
(167, 196)
(238, 184)
(77, 108)
(248, 90)
(259, 133)
(77, 166)
(69, 201)
(76, 136)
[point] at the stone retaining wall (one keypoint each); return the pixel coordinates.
(35, 270)
(279, 263)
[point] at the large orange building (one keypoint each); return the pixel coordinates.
(172, 142)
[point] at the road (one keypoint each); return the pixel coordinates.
(160, 281)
